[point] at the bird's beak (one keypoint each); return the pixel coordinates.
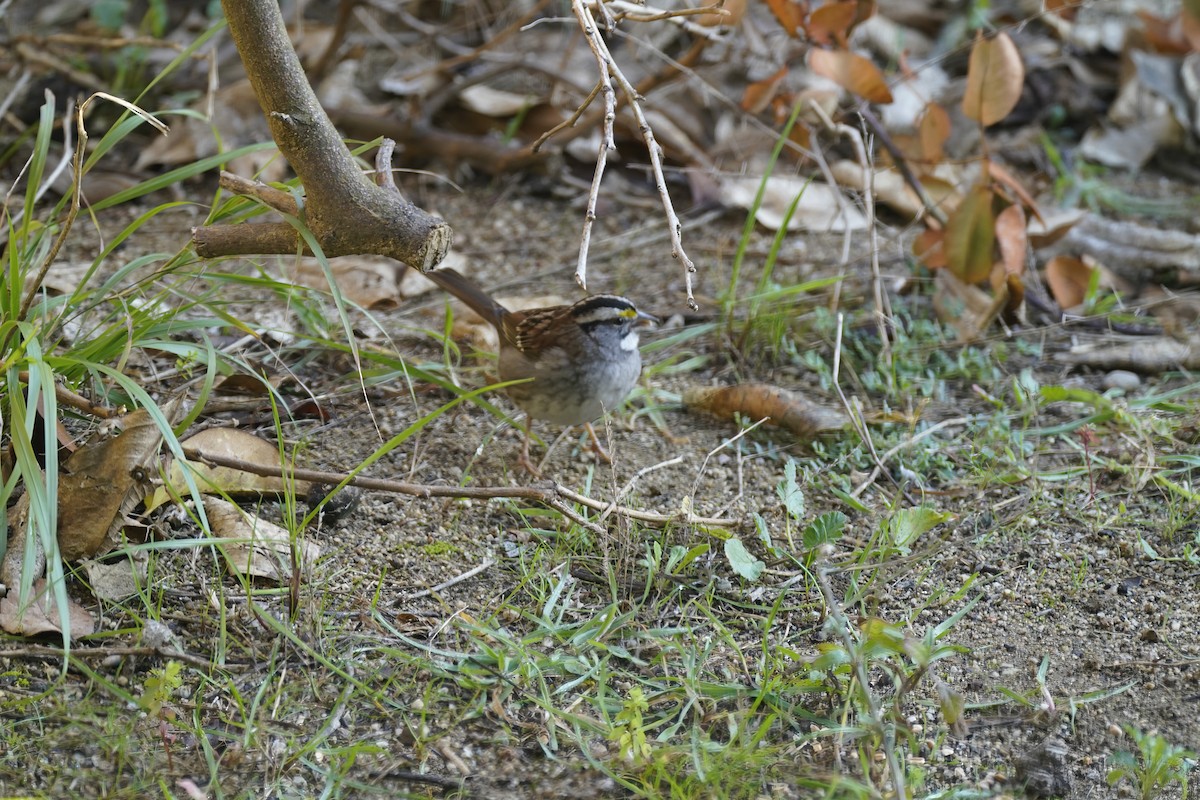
(645, 320)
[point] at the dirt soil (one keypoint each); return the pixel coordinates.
(1066, 585)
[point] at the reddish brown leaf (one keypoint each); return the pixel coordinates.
(789, 14)
(995, 75)
(1010, 236)
(852, 72)
(1065, 9)
(933, 130)
(971, 236)
(759, 94)
(929, 250)
(1164, 35)
(1068, 279)
(1003, 176)
(831, 23)
(1016, 298)
(789, 410)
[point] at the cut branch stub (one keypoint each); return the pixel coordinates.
(346, 213)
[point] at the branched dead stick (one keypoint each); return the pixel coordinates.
(551, 498)
(604, 63)
(570, 122)
(609, 72)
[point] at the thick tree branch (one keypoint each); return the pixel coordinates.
(344, 209)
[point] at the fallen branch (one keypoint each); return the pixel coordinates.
(556, 498)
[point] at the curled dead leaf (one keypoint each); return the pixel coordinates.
(782, 408)
(40, 614)
(261, 548)
(852, 72)
(1068, 278)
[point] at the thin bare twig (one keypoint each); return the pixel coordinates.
(106, 652)
(471, 573)
(557, 497)
(605, 66)
(610, 72)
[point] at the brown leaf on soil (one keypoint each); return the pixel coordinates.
(933, 130)
(1068, 278)
(263, 549)
(759, 94)
(1053, 225)
(831, 23)
(1012, 240)
(229, 443)
(1006, 179)
(789, 14)
(782, 408)
(929, 248)
(971, 236)
(966, 308)
(995, 75)
(40, 614)
(852, 72)
(101, 483)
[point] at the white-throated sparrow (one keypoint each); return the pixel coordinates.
(578, 361)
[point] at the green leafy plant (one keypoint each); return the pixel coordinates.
(1157, 764)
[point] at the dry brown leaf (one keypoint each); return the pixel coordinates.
(789, 14)
(40, 615)
(100, 484)
(782, 408)
(759, 94)
(1012, 240)
(966, 308)
(890, 187)
(238, 118)
(1068, 278)
(971, 236)
(995, 76)
(229, 443)
(368, 281)
(852, 72)
(831, 23)
(1006, 179)
(929, 248)
(1053, 225)
(932, 131)
(264, 549)
(819, 208)
(117, 580)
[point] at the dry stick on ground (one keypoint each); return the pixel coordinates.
(555, 498)
(609, 72)
(345, 211)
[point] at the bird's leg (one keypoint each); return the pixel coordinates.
(525, 461)
(597, 448)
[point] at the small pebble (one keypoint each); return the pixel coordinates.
(1122, 379)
